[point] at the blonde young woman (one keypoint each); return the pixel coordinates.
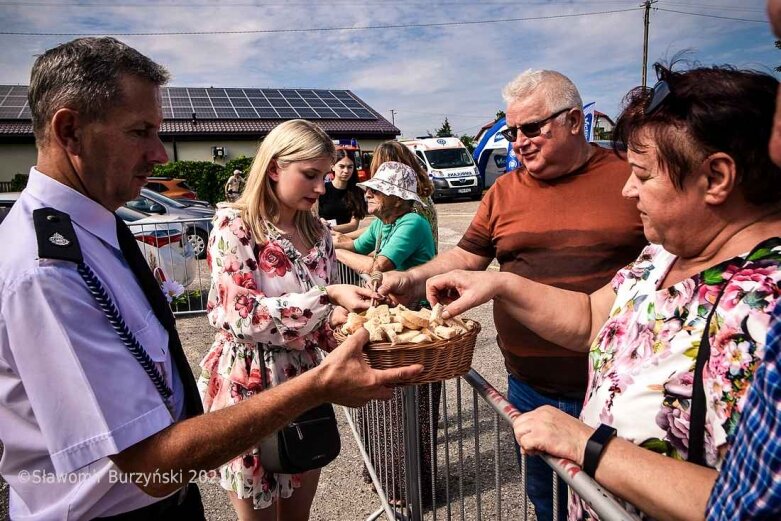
(271, 262)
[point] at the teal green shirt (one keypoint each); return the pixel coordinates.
(407, 243)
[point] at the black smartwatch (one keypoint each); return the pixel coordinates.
(595, 447)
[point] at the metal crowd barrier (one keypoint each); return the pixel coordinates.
(170, 254)
(439, 451)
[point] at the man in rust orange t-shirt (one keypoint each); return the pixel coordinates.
(559, 220)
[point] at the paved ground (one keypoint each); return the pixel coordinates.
(342, 495)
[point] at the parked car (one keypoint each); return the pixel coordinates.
(198, 217)
(164, 246)
(163, 243)
(195, 202)
(7, 200)
(173, 188)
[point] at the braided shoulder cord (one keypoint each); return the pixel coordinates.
(110, 310)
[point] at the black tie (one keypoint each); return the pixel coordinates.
(150, 287)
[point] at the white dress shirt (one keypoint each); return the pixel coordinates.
(70, 392)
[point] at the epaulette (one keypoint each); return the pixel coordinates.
(56, 236)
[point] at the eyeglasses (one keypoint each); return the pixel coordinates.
(532, 129)
(660, 92)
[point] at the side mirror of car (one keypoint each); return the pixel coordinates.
(156, 208)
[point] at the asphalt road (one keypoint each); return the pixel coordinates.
(342, 495)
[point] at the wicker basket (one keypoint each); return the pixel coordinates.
(441, 359)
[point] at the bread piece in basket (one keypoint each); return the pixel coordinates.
(399, 336)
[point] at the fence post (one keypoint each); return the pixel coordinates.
(411, 453)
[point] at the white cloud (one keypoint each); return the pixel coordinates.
(422, 73)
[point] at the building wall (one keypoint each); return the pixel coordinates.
(16, 159)
(202, 150)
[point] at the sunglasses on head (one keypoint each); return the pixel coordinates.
(659, 93)
(532, 129)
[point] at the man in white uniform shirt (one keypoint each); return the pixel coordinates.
(79, 415)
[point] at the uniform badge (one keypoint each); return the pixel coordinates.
(59, 240)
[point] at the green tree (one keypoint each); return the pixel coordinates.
(445, 130)
(469, 142)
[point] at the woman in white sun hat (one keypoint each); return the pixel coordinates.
(399, 237)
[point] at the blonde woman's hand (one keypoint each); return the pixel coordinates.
(354, 298)
(338, 316)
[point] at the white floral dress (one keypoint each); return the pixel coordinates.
(641, 364)
(267, 294)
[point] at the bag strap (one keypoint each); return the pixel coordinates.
(57, 240)
(263, 377)
(699, 406)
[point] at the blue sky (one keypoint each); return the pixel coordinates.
(423, 73)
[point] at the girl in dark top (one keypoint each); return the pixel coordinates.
(342, 203)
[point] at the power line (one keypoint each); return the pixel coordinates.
(510, 3)
(713, 16)
(328, 29)
(717, 6)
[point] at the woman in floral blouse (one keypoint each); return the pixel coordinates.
(710, 201)
(272, 268)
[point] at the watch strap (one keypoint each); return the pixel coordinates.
(595, 446)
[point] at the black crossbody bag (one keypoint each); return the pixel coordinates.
(310, 441)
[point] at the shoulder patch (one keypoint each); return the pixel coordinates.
(56, 236)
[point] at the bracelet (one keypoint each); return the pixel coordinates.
(595, 446)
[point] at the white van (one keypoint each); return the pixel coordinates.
(450, 166)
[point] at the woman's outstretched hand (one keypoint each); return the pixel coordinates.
(354, 298)
(461, 290)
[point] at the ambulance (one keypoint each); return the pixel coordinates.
(449, 165)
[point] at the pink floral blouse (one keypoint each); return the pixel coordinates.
(642, 361)
(272, 295)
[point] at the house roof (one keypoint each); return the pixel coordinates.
(339, 113)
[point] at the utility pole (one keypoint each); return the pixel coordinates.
(646, 23)
(393, 117)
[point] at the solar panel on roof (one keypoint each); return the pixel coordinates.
(246, 113)
(307, 113)
(15, 101)
(327, 113)
(364, 114)
(287, 113)
(345, 113)
(268, 113)
(234, 103)
(10, 112)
